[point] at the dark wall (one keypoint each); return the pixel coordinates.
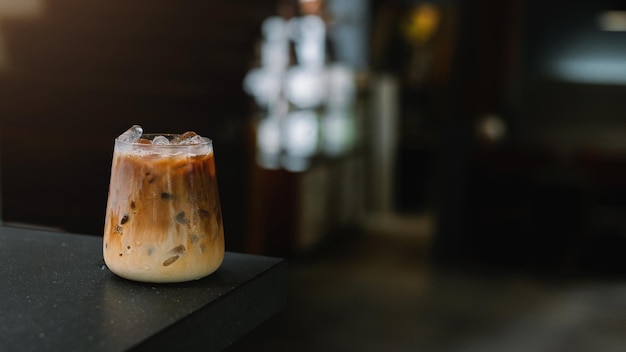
(79, 73)
(549, 195)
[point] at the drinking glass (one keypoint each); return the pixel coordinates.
(163, 216)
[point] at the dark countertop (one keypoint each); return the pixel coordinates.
(57, 295)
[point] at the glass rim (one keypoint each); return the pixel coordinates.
(169, 136)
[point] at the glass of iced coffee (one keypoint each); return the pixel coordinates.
(163, 217)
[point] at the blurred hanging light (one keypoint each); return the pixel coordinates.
(491, 129)
(612, 21)
(311, 7)
(21, 8)
(16, 9)
(423, 23)
(301, 133)
(300, 139)
(269, 143)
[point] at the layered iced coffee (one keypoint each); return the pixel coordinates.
(163, 218)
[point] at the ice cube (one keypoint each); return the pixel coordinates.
(184, 138)
(197, 139)
(160, 140)
(131, 135)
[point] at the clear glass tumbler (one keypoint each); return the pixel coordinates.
(163, 217)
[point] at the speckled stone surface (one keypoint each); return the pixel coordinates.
(56, 294)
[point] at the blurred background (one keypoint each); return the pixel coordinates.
(374, 144)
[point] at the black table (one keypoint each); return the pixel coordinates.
(56, 294)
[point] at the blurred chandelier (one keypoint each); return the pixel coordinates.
(307, 105)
